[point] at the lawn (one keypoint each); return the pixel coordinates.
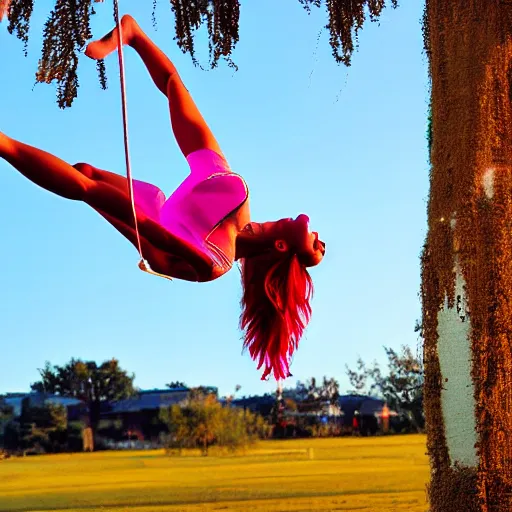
(385, 474)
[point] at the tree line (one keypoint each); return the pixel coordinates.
(201, 420)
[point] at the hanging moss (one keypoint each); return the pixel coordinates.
(65, 34)
(19, 13)
(68, 28)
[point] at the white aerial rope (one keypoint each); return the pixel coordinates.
(143, 264)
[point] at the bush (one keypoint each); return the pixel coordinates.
(203, 422)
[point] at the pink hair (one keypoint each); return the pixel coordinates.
(275, 309)
(4, 8)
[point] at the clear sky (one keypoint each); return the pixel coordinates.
(345, 146)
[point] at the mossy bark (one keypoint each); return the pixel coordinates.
(470, 236)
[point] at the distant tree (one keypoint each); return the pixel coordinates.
(6, 412)
(179, 427)
(358, 378)
(43, 429)
(205, 415)
(176, 385)
(401, 386)
(195, 422)
(301, 391)
(330, 390)
(11, 438)
(87, 381)
(6, 416)
(238, 428)
(312, 390)
(311, 400)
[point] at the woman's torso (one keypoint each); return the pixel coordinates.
(206, 211)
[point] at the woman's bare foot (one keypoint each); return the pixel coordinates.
(7, 147)
(5, 143)
(107, 44)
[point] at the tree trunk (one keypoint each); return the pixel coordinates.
(94, 420)
(467, 260)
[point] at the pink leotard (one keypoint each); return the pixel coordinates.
(209, 194)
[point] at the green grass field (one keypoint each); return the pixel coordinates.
(384, 474)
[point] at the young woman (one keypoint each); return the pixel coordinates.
(204, 226)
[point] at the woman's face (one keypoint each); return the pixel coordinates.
(294, 235)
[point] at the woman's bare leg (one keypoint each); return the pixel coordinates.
(44, 169)
(93, 173)
(190, 129)
(61, 178)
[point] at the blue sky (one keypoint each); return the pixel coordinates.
(345, 146)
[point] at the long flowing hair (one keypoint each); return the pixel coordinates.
(275, 309)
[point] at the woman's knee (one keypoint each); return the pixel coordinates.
(175, 85)
(87, 170)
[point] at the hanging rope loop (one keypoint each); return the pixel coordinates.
(143, 264)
